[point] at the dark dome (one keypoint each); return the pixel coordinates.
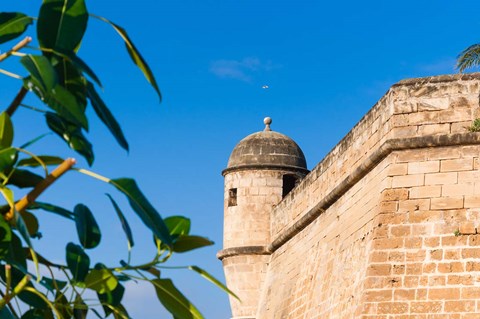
(267, 149)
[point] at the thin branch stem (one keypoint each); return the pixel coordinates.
(11, 74)
(33, 108)
(17, 101)
(41, 187)
(20, 45)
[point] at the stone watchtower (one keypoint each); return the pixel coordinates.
(262, 169)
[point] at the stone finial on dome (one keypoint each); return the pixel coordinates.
(267, 121)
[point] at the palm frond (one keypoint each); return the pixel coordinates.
(468, 58)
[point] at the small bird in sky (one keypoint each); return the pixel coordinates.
(265, 87)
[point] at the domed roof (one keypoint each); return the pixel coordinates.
(267, 149)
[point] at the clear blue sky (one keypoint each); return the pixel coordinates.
(325, 65)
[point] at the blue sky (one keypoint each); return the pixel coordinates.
(325, 65)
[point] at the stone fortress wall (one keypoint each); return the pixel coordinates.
(385, 226)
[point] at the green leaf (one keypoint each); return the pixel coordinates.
(74, 59)
(173, 300)
(5, 237)
(88, 231)
(187, 243)
(134, 55)
(52, 209)
(8, 157)
(78, 262)
(38, 314)
(62, 24)
(12, 25)
(71, 134)
(70, 77)
(6, 314)
(23, 178)
(213, 280)
(36, 139)
(16, 256)
(33, 299)
(106, 116)
(147, 213)
(120, 313)
(51, 284)
(44, 82)
(112, 298)
(6, 130)
(47, 160)
(23, 229)
(124, 222)
(178, 225)
(101, 280)
(31, 222)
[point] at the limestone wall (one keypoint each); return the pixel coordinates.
(385, 226)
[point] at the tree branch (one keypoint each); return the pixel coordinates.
(41, 187)
(20, 45)
(17, 101)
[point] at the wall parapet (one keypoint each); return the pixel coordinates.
(414, 113)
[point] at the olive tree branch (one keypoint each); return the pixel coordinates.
(41, 187)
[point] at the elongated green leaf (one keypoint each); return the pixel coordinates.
(8, 157)
(23, 178)
(78, 63)
(173, 300)
(187, 243)
(12, 25)
(44, 82)
(52, 209)
(36, 139)
(47, 160)
(43, 78)
(22, 228)
(62, 24)
(71, 79)
(78, 262)
(6, 130)
(106, 116)
(5, 237)
(213, 280)
(124, 222)
(101, 280)
(134, 54)
(178, 225)
(72, 135)
(147, 213)
(88, 231)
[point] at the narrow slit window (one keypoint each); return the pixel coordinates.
(232, 197)
(289, 182)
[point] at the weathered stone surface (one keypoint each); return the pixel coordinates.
(386, 226)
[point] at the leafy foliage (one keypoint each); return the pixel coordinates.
(67, 86)
(469, 58)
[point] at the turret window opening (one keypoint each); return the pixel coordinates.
(289, 183)
(232, 197)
